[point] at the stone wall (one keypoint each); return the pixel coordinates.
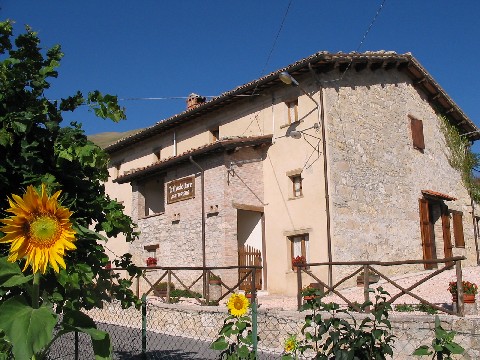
(376, 176)
(234, 178)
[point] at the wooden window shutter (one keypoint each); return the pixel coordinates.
(457, 217)
(417, 133)
(427, 245)
(447, 239)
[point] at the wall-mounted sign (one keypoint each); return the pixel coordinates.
(181, 189)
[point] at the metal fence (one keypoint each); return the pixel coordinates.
(177, 332)
(166, 329)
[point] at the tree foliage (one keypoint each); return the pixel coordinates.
(36, 146)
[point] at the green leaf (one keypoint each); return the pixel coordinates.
(76, 320)
(455, 348)
(28, 329)
(11, 275)
(243, 351)
(422, 350)
(219, 344)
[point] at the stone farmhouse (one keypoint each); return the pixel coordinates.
(336, 157)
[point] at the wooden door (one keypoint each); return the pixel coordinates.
(249, 256)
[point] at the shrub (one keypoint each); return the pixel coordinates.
(162, 286)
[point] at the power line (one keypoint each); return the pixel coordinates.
(274, 43)
(379, 10)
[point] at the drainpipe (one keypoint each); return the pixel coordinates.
(321, 120)
(204, 261)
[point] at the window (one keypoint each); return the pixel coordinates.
(417, 133)
(214, 135)
(153, 198)
(298, 247)
(151, 251)
(292, 111)
(457, 218)
(297, 186)
(295, 183)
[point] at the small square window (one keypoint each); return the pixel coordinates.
(296, 185)
(298, 247)
(292, 111)
(152, 197)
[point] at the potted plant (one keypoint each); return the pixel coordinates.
(373, 277)
(469, 291)
(151, 261)
(298, 261)
(214, 279)
(309, 292)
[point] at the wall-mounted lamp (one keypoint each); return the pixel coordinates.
(287, 79)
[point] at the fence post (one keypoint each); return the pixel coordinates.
(254, 313)
(76, 345)
(299, 288)
(137, 287)
(169, 280)
(366, 285)
(144, 327)
(460, 306)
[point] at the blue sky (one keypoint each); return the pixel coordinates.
(157, 48)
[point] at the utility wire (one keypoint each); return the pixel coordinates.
(274, 43)
(379, 10)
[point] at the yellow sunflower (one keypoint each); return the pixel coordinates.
(237, 305)
(39, 229)
(291, 344)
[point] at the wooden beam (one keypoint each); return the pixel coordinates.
(359, 66)
(375, 65)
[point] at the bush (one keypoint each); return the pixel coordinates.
(179, 293)
(162, 286)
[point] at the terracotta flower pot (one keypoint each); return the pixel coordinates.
(467, 298)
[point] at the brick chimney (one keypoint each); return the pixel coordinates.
(194, 100)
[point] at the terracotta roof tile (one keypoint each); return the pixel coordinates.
(439, 195)
(221, 145)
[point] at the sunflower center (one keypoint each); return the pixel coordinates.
(238, 304)
(44, 229)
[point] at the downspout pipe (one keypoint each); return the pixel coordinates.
(321, 120)
(204, 260)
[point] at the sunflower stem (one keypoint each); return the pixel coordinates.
(36, 291)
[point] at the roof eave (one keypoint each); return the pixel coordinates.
(219, 146)
(421, 78)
